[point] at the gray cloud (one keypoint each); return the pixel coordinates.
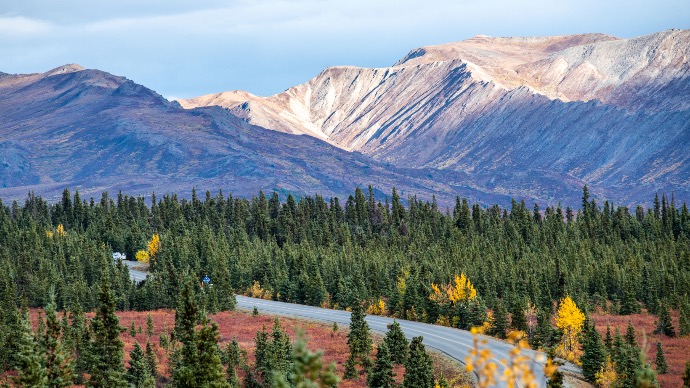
(185, 48)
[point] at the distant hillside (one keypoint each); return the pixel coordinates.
(93, 131)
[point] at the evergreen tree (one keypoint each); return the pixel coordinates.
(149, 325)
(594, 353)
(306, 369)
(500, 321)
(608, 340)
(629, 304)
(518, 321)
(684, 323)
(209, 369)
(184, 360)
(151, 360)
(32, 372)
(382, 375)
(59, 367)
(106, 349)
(419, 372)
(350, 368)
(138, 373)
(233, 358)
(358, 339)
(660, 360)
(664, 324)
(396, 343)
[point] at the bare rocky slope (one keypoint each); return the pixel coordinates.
(534, 117)
(93, 131)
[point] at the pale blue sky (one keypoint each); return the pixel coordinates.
(184, 48)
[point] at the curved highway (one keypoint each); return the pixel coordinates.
(453, 342)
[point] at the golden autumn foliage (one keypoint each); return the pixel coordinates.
(460, 289)
(142, 256)
(255, 291)
(517, 368)
(377, 308)
(49, 234)
(606, 376)
(154, 245)
(60, 231)
(152, 248)
(569, 319)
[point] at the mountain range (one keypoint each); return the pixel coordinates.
(486, 118)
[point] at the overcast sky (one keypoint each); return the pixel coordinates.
(184, 48)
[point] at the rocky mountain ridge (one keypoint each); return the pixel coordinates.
(591, 108)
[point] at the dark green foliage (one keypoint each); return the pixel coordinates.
(132, 330)
(106, 349)
(629, 304)
(381, 375)
(209, 369)
(660, 360)
(58, 364)
(500, 321)
(686, 375)
(255, 312)
(306, 369)
(664, 325)
(273, 354)
(30, 360)
(149, 326)
(518, 321)
(396, 343)
(350, 368)
(594, 353)
(544, 333)
(684, 323)
(314, 251)
(138, 373)
(151, 360)
(358, 339)
(419, 371)
(608, 340)
(233, 360)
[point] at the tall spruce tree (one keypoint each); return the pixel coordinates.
(594, 353)
(209, 369)
(59, 366)
(660, 360)
(32, 372)
(138, 373)
(419, 371)
(396, 343)
(500, 321)
(358, 339)
(107, 368)
(684, 322)
(664, 324)
(184, 360)
(381, 375)
(151, 360)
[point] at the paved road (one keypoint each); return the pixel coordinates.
(453, 342)
(133, 273)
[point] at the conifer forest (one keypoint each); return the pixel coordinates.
(465, 266)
